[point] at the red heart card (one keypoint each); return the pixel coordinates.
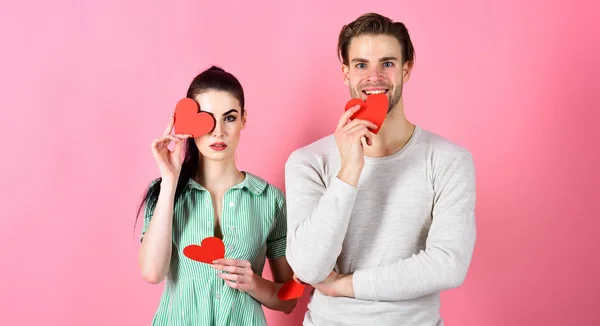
(375, 110)
(212, 248)
(290, 290)
(189, 121)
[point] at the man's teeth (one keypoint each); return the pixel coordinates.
(375, 92)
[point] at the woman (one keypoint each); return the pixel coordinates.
(205, 195)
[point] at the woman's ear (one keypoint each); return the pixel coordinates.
(244, 117)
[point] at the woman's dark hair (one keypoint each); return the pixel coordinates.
(214, 78)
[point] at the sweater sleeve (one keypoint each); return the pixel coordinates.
(318, 217)
(449, 246)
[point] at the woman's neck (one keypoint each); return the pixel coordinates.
(218, 176)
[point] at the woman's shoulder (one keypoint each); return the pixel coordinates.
(260, 186)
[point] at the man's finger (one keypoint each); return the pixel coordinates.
(344, 118)
(297, 280)
(357, 122)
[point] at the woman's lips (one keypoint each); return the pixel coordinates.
(218, 146)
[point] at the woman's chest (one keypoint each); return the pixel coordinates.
(244, 224)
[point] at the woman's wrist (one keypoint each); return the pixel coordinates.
(168, 182)
(258, 285)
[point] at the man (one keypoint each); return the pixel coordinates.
(380, 223)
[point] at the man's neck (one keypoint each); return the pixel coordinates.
(218, 176)
(393, 135)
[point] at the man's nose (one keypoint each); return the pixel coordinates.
(374, 73)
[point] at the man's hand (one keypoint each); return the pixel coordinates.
(336, 285)
(348, 136)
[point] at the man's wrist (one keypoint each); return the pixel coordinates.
(343, 286)
(350, 175)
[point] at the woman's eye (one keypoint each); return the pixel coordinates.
(230, 119)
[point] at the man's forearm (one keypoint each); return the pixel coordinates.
(433, 270)
(316, 242)
(317, 221)
(449, 247)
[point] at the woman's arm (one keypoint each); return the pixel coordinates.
(282, 272)
(264, 291)
(155, 251)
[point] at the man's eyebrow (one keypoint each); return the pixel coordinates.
(390, 58)
(359, 60)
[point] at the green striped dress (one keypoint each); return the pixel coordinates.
(253, 222)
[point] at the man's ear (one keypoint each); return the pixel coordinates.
(345, 71)
(406, 70)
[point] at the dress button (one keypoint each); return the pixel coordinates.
(218, 296)
(231, 228)
(230, 204)
(230, 247)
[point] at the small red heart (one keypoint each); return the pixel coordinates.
(290, 290)
(375, 110)
(212, 248)
(189, 121)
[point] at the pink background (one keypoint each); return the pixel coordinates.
(87, 85)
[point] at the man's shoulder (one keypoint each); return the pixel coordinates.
(443, 153)
(318, 151)
(441, 145)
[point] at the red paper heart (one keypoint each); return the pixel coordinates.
(290, 290)
(375, 110)
(211, 248)
(189, 121)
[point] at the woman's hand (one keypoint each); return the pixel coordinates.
(240, 275)
(169, 161)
